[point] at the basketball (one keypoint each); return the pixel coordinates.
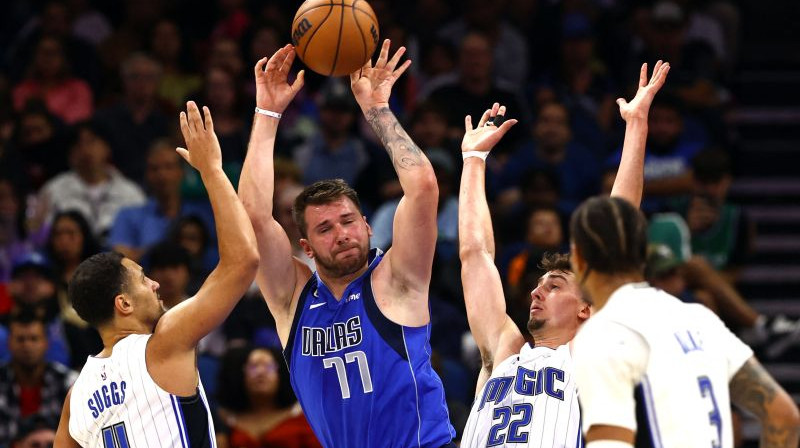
(335, 37)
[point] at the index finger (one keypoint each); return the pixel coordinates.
(259, 68)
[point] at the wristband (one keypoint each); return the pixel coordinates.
(479, 154)
(268, 113)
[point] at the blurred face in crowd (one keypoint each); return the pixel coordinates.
(717, 190)
(552, 131)
(9, 206)
(283, 210)
(539, 191)
(166, 41)
(261, 374)
(338, 237)
(544, 229)
(220, 90)
(484, 15)
(173, 281)
(265, 42)
(35, 128)
(55, 20)
(67, 240)
(225, 53)
(577, 51)
(475, 61)
(557, 308)
(336, 122)
(430, 130)
(665, 126)
(27, 343)
(90, 153)
(41, 438)
(49, 61)
(164, 172)
(191, 237)
(140, 78)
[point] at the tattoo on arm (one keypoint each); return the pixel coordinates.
(405, 154)
(753, 389)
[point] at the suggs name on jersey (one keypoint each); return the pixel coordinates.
(112, 394)
(525, 382)
(321, 341)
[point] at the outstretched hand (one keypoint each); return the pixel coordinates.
(203, 152)
(273, 91)
(487, 134)
(372, 85)
(639, 106)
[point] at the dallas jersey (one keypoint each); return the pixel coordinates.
(660, 367)
(363, 380)
(116, 404)
(529, 401)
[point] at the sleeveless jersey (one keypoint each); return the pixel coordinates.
(363, 380)
(653, 364)
(116, 404)
(529, 401)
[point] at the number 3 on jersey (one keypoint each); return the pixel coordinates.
(714, 417)
(341, 372)
(115, 436)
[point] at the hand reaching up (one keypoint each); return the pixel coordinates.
(487, 134)
(639, 106)
(202, 147)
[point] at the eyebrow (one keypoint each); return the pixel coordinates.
(343, 215)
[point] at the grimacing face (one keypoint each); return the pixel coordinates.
(557, 305)
(338, 237)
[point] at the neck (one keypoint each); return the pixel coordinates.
(112, 334)
(337, 285)
(601, 286)
(93, 176)
(542, 339)
(28, 375)
(263, 404)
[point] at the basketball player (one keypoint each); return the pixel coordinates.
(356, 332)
(143, 388)
(652, 370)
(526, 395)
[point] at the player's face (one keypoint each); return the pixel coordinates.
(148, 306)
(261, 373)
(556, 305)
(338, 237)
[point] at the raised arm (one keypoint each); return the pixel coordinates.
(278, 273)
(414, 232)
(753, 389)
(630, 174)
(179, 330)
(495, 333)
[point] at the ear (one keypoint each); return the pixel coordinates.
(585, 311)
(307, 248)
(123, 304)
(369, 228)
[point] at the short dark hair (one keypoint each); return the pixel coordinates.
(318, 193)
(554, 261)
(96, 282)
(231, 392)
(711, 166)
(90, 244)
(611, 235)
(27, 315)
(168, 254)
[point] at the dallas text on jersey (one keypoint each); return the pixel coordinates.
(527, 382)
(321, 341)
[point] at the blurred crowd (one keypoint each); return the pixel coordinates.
(89, 100)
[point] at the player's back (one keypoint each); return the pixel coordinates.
(681, 383)
(529, 401)
(362, 380)
(116, 404)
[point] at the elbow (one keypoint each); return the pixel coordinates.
(473, 251)
(425, 185)
(785, 413)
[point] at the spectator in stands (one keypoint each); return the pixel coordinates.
(49, 81)
(257, 405)
(35, 431)
(88, 23)
(335, 151)
(37, 151)
(721, 231)
(92, 186)
(167, 47)
(284, 203)
(225, 52)
(475, 87)
(14, 239)
(136, 121)
(137, 228)
(192, 234)
(223, 94)
(28, 383)
(551, 148)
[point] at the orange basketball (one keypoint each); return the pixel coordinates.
(335, 37)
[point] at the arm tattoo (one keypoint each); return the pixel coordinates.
(753, 389)
(405, 154)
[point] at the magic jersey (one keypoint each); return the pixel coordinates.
(363, 380)
(116, 404)
(529, 401)
(660, 367)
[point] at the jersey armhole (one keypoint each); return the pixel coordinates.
(391, 332)
(301, 301)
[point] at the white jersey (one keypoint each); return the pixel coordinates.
(660, 367)
(116, 404)
(529, 401)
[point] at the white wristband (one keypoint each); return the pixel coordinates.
(268, 113)
(479, 154)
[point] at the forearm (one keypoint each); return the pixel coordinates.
(629, 182)
(257, 182)
(413, 168)
(234, 231)
(474, 220)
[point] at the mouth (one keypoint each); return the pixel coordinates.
(536, 308)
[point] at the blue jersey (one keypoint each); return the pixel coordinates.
(363, 380)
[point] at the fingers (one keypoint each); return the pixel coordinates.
(396, 58)
(506, 126)
(397, 73)
(195, 121)
(656, 68)
(468, 123)
(184, 122)
(643, 75)
(209, 123)
(286, 65)
(383, 57)
(277, 59)
(183, 153)
(259, 68)
(485, 118)
(300, 81)
(621, 102)
(661, 76)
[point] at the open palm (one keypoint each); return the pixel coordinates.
(273, 91)
(372, 84)
(484, 138)
(639, 106)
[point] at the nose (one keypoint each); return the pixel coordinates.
(536, 294)
(155, 285)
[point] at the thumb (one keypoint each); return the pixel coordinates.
(621, 102)
(184, 153)
(468, 123)
(299, 81)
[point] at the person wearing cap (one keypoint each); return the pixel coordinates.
(36, 431)
(29, 383)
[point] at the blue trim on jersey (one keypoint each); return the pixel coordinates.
(212, 440)
(389, 331)
(647, 433)
(301, 303)
(178, 419)
(651, 411)
(182, 420)
(416, 387)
